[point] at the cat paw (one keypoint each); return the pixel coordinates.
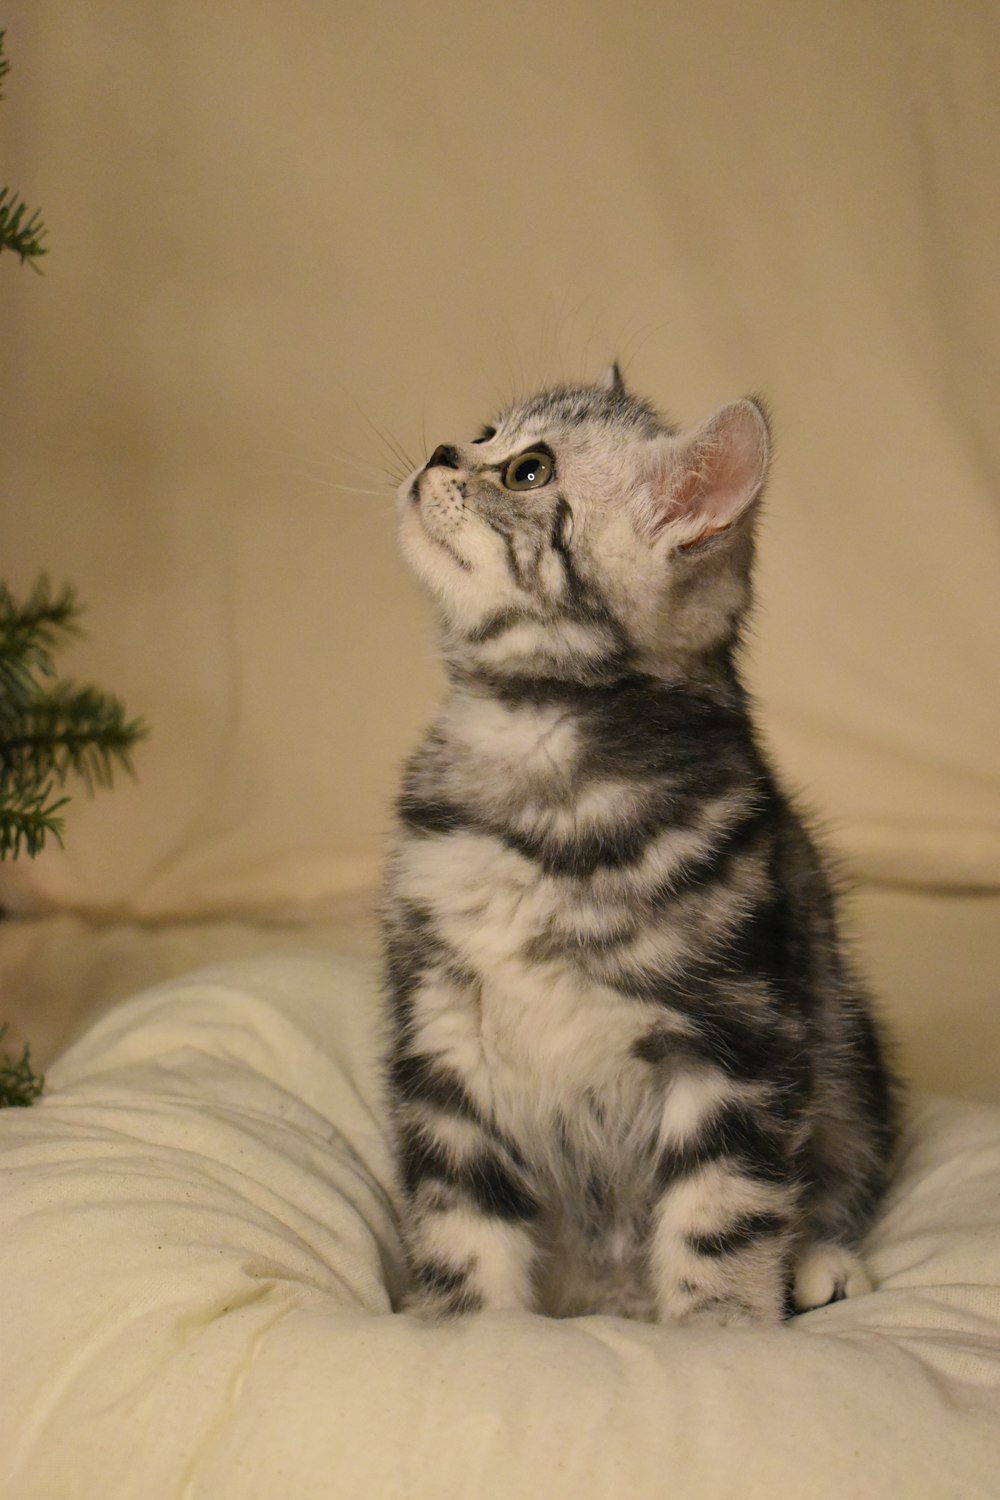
(827, 1273)
(433, 1307)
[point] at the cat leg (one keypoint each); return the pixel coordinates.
(846, 1169)
(469, 1223)
(846, 1162)
(720, 1247)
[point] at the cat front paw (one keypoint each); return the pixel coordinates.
(827, 1273)
(433, 1306)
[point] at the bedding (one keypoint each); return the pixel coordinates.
(198, 1264)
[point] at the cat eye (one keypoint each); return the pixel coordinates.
(528, 472)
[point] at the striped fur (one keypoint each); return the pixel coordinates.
(630, 1069)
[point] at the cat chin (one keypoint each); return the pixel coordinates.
(446, 576)
(431, 557)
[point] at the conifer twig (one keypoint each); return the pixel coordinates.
(22, 235)
(20, 1085)
(20, 231)
(49, 730)
(30, 632)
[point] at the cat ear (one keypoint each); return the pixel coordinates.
(700, 482)
(611, 380)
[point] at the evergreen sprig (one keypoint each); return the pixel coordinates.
(20, 1085)
(30, 632)
(20, 231)
(49, 729)
(22, 235)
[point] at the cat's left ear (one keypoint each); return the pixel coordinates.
(700, 482)
(611, 380)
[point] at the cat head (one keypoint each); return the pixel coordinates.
(580, 537)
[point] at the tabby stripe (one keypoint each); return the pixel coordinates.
(416, 1077)
(607, 848)
(412, 950)
(433, 815)
(733, 1133)
(456, 1300)
(483, 1179)
(437, 1277)
(512, 562)
(765, 944)
(556, 542)
(494, 1190)
(584, 855)
(714, 864)
(745, 1046)
(496, 625)
(741, 1234)
(422, 1158)
(619, 847)
(741, 1046)
(579, 857)
(543, 689)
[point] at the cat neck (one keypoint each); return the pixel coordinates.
(510, 743)
(712, 679)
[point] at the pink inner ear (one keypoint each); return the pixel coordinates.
(712, 476)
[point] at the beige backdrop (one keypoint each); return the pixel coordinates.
(279, 229)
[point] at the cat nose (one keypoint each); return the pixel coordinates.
(443, 457)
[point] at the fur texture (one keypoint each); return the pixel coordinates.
(630, 1069)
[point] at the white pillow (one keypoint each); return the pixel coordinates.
(198, 1258)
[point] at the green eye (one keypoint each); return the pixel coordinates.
(528, 472)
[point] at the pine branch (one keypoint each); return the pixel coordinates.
(19, 1084)
(27, 827)
(68, 729)
(49, 730)
(22, 235)
(19, 231)
(30, 633)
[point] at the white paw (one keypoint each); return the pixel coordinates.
(433, 1307)
(828, 1273)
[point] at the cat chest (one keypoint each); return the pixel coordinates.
(551, 1061)
(495, 906)
(558, 1058)
(531, 1023)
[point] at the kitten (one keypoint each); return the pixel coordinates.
(631, 1071)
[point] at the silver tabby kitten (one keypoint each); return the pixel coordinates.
(631, 1071)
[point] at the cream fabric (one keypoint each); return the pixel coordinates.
(277, 229)
(197, 1252)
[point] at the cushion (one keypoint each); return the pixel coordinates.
(199, 1261)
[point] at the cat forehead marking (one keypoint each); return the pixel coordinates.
(570, 407)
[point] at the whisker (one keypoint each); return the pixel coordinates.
(344, 489)
(330, 457)
(394, 449)
(390, 443)
(353, 489)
